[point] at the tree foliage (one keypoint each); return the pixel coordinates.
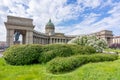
(98, 44)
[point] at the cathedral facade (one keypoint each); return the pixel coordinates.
(25, 27)
(50, 36)
(16, 26)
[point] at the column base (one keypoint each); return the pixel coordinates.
(16, 42)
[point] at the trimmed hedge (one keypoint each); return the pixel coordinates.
(77, 49)
(53, 50)
(61, 65)
(33, 53)
(46, 56)
(63, 50)
(22, 54)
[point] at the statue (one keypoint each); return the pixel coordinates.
(17, 34)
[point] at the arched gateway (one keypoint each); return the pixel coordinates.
(17, 26)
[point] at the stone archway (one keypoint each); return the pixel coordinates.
(23, 34)
(22, 25)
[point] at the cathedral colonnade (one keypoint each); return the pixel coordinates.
(16, 26)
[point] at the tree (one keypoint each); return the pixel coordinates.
(98, 44)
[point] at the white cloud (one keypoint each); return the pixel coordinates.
(89, 3)
(2, 29)
(111, 22)
(59, 11)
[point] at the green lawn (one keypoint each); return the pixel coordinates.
(113, 50)
(91, 71)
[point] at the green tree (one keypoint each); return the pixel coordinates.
(98, 44)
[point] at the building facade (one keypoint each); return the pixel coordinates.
(29, 36)
(116, 40)
(25, 27)
(104, 34)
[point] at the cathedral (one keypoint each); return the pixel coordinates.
(16, 26)
(50, 36)
(25, 27)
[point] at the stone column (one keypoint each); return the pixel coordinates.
(36, 40)
(50, 40)
(60, 40)
(39, 40)
(53, 40)
(29, 37)
(119, 40)
(42, 41)
(63, 41)
(10, 37)
(46, 41)
(57, 40)
(33, 39)
(23, 39)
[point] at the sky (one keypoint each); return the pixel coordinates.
(72, 17)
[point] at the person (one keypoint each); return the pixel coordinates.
(17, 34)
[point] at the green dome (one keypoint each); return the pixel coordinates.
(50, 25)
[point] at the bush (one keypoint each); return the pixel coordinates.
(103, 57)
(98, 44)
(60, 65)
(77, 49)
(63, 50)
(22, 54)
(53, 50)
(46, 56)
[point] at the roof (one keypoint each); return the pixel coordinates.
(49, 24)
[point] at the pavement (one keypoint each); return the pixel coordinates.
(1, 55)
(1, 51)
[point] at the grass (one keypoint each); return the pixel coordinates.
(113, 50)
(91, 71)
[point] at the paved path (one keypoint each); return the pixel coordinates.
(1, 54)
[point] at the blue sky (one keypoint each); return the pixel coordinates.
(72, 17)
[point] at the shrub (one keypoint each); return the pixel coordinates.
(103, 57)
(22, 54)
(46, 56)
(98, 44)
(53, 50)
(77, 49)
(60, 65)
(89, 50)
